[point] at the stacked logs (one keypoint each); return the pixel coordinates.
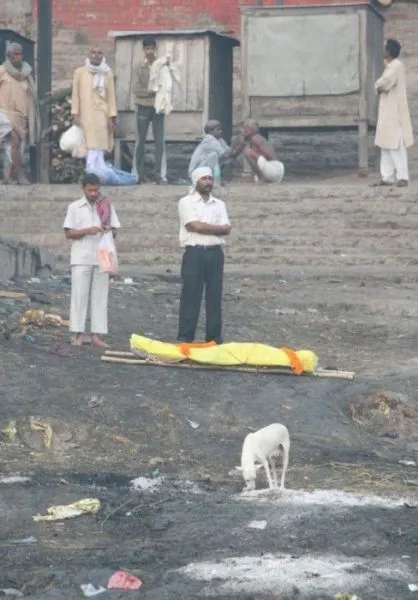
(64, 168)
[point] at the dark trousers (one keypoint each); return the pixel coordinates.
(144, 116)
(201, 268)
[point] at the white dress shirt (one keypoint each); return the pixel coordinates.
(193, 208)
(81, 214)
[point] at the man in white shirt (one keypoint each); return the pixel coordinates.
(87, 219)
(204, 224)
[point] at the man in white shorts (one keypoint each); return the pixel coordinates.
(260, 156)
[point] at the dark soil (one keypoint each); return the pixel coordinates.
(114, 423)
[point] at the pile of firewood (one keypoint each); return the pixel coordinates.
(64, 168)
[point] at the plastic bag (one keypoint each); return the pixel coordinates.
(5, 125)
(106, 254)
(73, 142)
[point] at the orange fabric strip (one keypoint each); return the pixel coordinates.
(294, 361)
(185, 348)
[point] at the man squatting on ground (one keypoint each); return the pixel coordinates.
(19, 104)
(394, 130)
(214, 152)
(86, 220)
(93, 107)
(260, 156)
(204, 224)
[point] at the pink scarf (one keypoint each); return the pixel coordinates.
(104, 208)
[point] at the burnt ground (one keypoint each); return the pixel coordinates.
(113, 423)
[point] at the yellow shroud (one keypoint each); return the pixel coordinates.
(232, 354)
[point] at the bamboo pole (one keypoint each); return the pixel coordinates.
(112, 356)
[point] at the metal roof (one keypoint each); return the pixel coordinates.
(174, 33)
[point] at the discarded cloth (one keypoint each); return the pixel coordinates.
(40, 318)
(68, 511)
(122, 580)
(44, 428)
(89, 590)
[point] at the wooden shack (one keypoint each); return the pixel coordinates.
(313, 67)
(204, 60)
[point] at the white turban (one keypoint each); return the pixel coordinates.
(199, 173)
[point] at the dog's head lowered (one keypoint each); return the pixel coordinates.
(249, 474)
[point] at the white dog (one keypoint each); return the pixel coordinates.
(260, 450)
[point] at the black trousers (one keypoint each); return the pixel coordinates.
(202, 267)
(146, 115)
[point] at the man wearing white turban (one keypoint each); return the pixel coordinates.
(204, 224)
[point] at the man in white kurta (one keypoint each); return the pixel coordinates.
(93, 107)
(394, 130)
(84, 227)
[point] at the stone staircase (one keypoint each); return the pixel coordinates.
(314, 225)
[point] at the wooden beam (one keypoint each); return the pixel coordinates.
(363, 129)
(44, 81)
(126, 358)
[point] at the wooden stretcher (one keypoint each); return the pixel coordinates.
(129, 358)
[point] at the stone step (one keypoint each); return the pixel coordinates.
(372, 216)
(253, 255)
(321, 189)
(167, 225)
(327, 225)
(135, 241)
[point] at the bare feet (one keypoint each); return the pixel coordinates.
(96, 341)
(78, 340)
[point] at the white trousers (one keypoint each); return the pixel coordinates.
(394, 163)
(88, 283)
(95, 161)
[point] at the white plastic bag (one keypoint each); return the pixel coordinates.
(5, 125)
(73, 142)
(106, 254)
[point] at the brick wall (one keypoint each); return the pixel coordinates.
(17, 15)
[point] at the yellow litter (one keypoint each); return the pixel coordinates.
(45, 429)
(10, 431)
(40, 318)
(68, 511)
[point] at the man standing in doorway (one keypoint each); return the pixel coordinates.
(204, 224)
(394, 130)
(86, 220)
(18, 104)
(146, 113)
(93, 107)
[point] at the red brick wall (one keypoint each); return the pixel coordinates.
(97, 17)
